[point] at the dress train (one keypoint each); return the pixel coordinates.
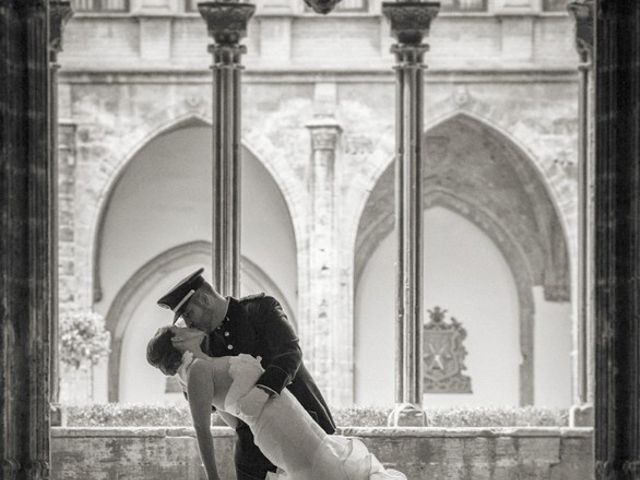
(287, 435)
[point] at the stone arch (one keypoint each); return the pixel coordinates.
(105, 196)
(536, 250)
(167, 121)
(510, 250)
(556, 187)
(552, 245)
(182, 114)
(137, 287)
(462, 105)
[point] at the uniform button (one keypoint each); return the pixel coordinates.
(229, 347)
(226, 334)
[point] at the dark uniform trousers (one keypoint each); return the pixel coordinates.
(257, 325)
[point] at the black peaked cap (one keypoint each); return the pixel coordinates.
(177, 298)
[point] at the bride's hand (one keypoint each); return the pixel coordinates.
(245, 365)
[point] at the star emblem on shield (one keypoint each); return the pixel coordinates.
(443, 355)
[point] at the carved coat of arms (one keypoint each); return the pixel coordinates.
(443, 355)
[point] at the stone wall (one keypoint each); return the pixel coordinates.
(128, 79)
(432, 453)
(109, 132)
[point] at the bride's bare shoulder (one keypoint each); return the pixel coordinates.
(199, 376)
(209, 364)
(200, 366)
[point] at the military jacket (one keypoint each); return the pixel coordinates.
(257, 325)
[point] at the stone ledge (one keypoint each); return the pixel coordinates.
(146, 432)
(467, 432)
(78, 68)
(169, 453)
(365, 432)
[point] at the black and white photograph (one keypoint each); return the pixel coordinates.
(320, 240)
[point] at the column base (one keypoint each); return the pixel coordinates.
(408, 415)
(581, 415)
(57, 415)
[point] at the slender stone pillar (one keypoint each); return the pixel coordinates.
(60, 12)
(321, 322)
(582, 410)
(410, 23)
(617, 245)
(226, 24)
(25, 215)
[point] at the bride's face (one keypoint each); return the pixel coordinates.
(187, 339)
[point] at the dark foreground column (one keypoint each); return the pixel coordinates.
(25, 216)
(227, 24)
(617, 246)
(410, 23)
(59, 14)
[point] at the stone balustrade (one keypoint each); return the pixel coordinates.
(137, 453)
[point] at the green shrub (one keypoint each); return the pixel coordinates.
(358, 416)
(84, 341)
(117, 415)
(131, 415)
(498, 417)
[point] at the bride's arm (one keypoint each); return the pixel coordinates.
(200, 391)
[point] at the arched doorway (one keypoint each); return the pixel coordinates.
(160, 202)
(487, 204)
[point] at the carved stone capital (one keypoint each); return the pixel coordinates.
(582, 12)
(324, 133)
(227, 56)
(226, 21)
(60, 12)
(409, 56)
(322, 6)
(410, 21)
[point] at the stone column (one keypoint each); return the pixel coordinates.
(25, 289)
(226, 24)
(321, 322)
(582, 410)
(410, 23)
(60, 12)
(617, 240)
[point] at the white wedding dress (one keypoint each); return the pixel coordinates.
(287, 435)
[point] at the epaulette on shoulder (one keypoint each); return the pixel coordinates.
(249, 298)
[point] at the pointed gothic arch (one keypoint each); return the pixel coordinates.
(169, 121)
(543, 237)
(494, 185)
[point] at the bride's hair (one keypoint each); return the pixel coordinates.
(162, 354)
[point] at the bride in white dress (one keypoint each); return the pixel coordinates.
(282, 429)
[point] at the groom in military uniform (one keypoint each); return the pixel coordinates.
(255, 325)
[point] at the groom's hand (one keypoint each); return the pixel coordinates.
(252, 403)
